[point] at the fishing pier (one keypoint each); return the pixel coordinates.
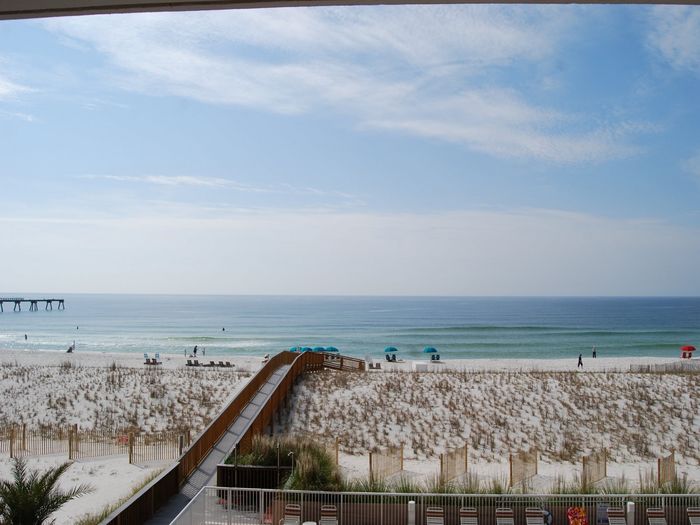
(33, 303)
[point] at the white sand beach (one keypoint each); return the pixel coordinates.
(494, 406)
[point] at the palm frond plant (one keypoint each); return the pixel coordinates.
(31, 496)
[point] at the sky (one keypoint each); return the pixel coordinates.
(373, 150)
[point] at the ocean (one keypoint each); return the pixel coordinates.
(459, 327)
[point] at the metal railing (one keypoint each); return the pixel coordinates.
(232, 506)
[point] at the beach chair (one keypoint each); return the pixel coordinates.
(221, 364)
(504, 516)
(292, 514)
(146, 360)
(468, 516)
(212, 363)
(656, 516)
(437, 357)
(434, 516)
(616, 516)
(157, 359)
(195, 363)
(329, 515)
(189, 362)
(534, 516)
(694, 515)
(228, 364)
(388, 359)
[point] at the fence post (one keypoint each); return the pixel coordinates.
(12, 441)
(411, 513)
(261, 505)
(371, 475)
(24, 436)
(630, 513)
(131, 448)
(76, 445)
(337, 446)
(70, 443)
(401, 457)
(180, 444)
(442, 474)
(510, 469)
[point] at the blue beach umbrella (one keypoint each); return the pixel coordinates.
(319, 349)
(429, 350)
(391, 349)
(331, 349)
(294, 349)
(307, 349)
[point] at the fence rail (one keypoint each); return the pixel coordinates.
(216, 505)
(24, 441)
(453, 464)
(523, 466)
(595, 467)
(385, 463)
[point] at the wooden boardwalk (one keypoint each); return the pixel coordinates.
(33, 303)
(251, 412)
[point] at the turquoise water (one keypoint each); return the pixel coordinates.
(459, 327)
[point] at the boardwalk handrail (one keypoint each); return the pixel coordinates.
(148, 500)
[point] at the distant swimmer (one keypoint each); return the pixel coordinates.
(70, 349)
(223, 329)
(25, 337)
(77, 328)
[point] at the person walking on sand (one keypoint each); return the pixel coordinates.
(580, 361)
(195, 350)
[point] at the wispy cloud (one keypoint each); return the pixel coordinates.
(384, 67)
(179, 180)
(10, 89)
(224, 184)
(675, 36)
(26, 117)
(692, 165)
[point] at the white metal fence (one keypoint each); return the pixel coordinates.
(218, 506)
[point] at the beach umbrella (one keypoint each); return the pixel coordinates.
(331, 349)
(307, 349)
(390, 349)
(294, 349)
(688, 348)
(319, 349)
(429, 350)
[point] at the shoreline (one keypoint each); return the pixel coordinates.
(252, 362)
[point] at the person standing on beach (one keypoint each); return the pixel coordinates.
(580, 361)
(594, 353)
(195, 350)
